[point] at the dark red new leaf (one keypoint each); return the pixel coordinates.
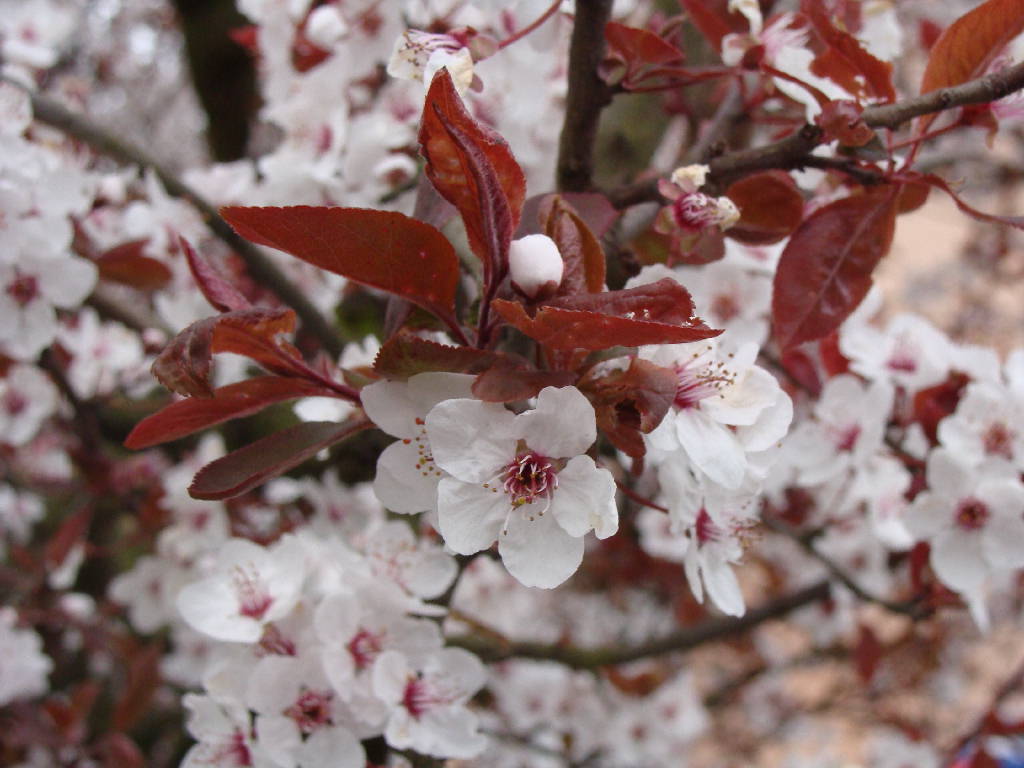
(663, 301)
(710, 21)
(825, 270)
(126, 264)
(253, 465)
(184, 364)
(405, 355)
(381, 249)
(473, 168)
(222, 296)
(505, 382)
(969, 45)
(567, 329)
(245, 398)
(845, 61)
(633, 54)
(581, 252)
(143, 680)
(770, 205)
(631, 402)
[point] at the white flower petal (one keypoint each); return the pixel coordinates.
(469, 515)
(470, 439)
(958, 560)
(563, 423)
(585, 499)
(401, 485)
(538, 552)
(711, 447)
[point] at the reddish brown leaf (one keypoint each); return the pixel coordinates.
(231, 402)
(771, 207)
(825, 270)
(633, 54)
(631, 402)
(566, 329)
(581, 252)
(381, 249)
(72, 530)
(127, 265)
(116, 750)
(473, 168)
(968, 45)
(143, 679)
(710, 21)
(222, 296)
(406, 355)
(801, 368)
(845, 61)
(663, 301)
(184, 364)
(253, 465)
(868, 653)
(632, 45)
(504, 382)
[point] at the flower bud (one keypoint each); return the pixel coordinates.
(534, 261)
(326, 26)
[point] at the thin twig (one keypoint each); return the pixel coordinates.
(915, 609)
(683, 640)
(587, 95)
(264, 271)
(793, 152)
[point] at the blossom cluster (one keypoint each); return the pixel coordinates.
(392, 560)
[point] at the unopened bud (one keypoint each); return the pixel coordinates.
(534, 261)
(690, 178)
(326, 26)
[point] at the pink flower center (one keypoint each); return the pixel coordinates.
(365, 647)
(422, 694)
(845, 438)
(998, 441)
(697, 381)
(694, 211)
(253, 598)
(23, 289)
(233, 753)
(725, 307)
(14, 402)
(311, 710)
(274, 643)
(971, 514)
(528, 476)
(705, 529)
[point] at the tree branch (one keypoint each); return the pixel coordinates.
(587, 95)
(262, 269)
(912, 608)
(794, 151)
(683, 640)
